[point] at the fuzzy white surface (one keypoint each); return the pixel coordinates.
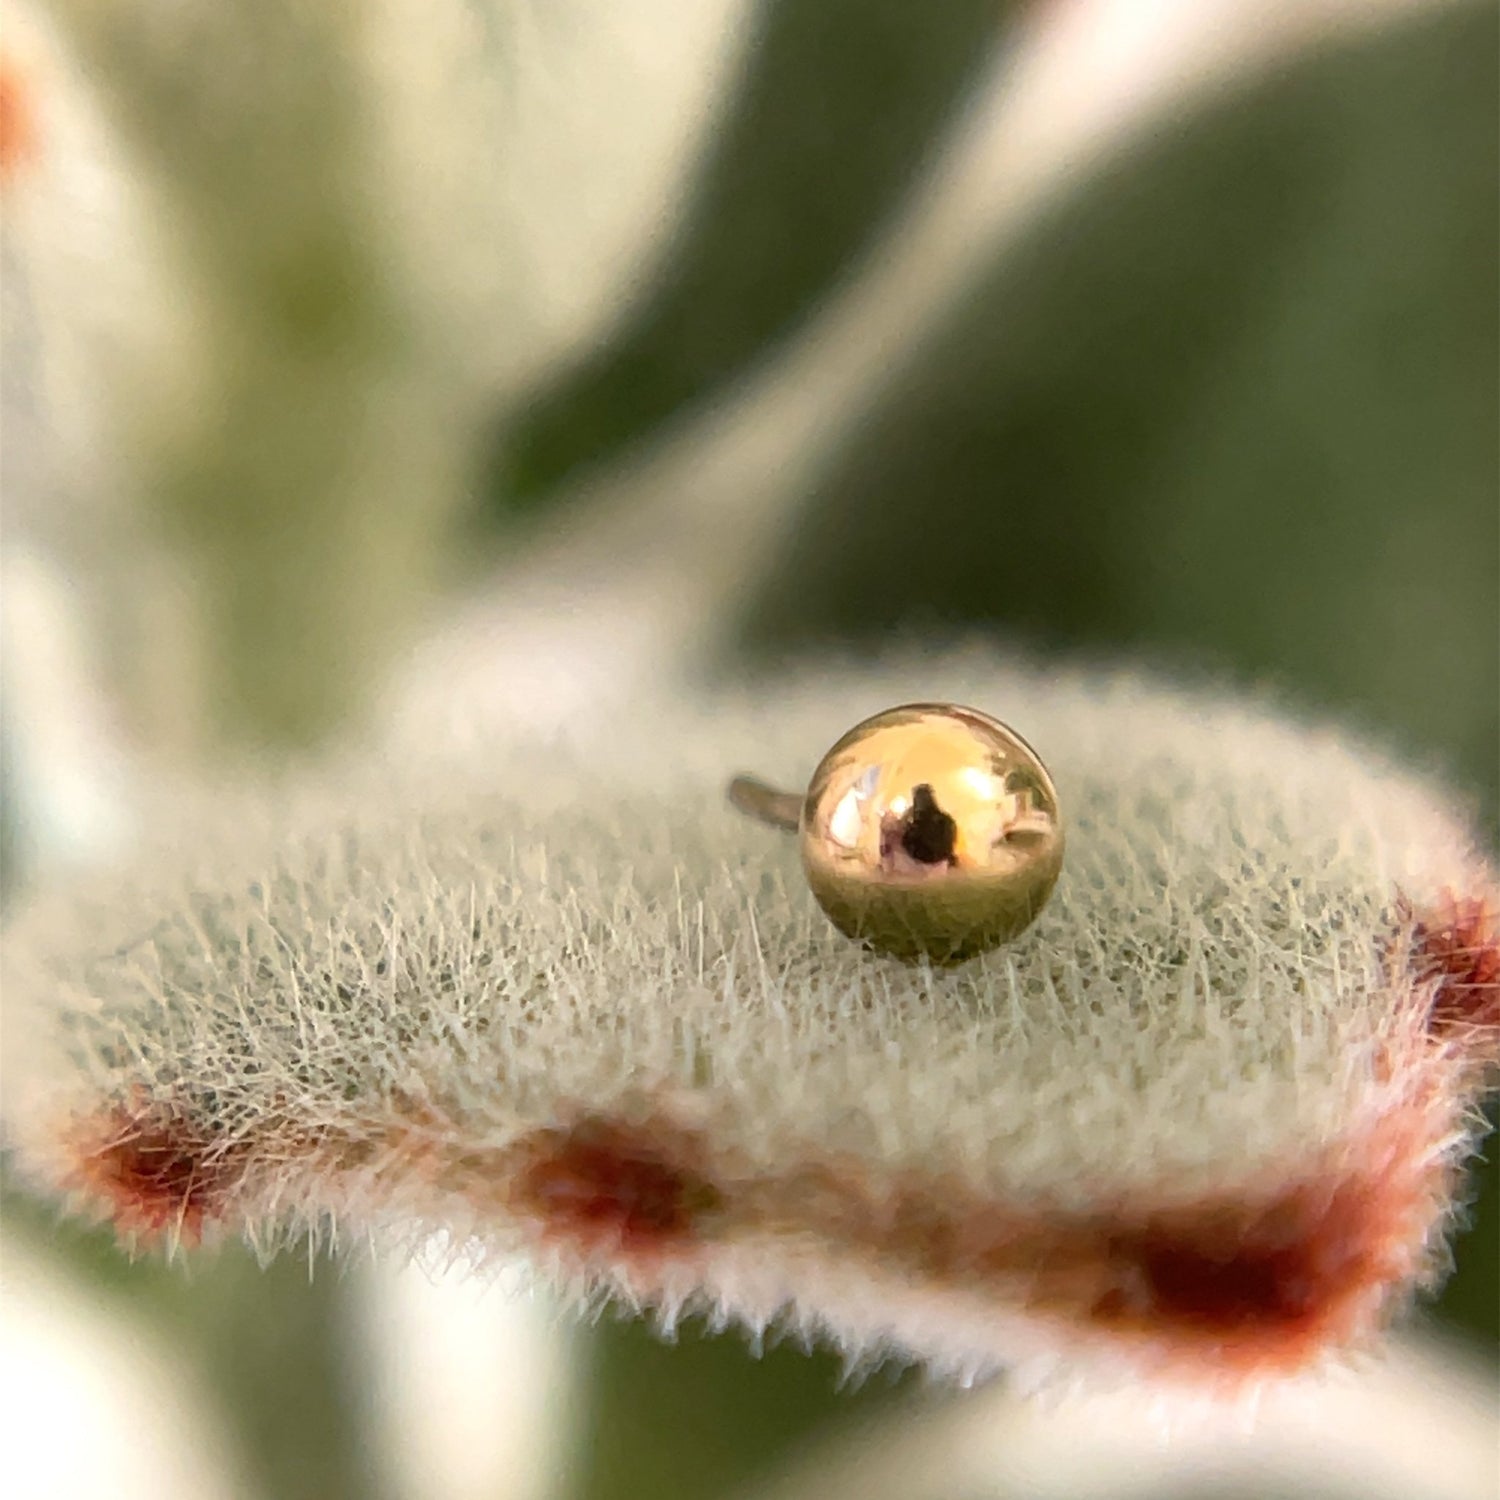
(512, 932)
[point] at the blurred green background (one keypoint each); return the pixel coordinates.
(1230, 404)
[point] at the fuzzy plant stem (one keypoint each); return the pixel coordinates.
(1203, 1126)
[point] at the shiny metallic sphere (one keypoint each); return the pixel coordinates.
(931, 831)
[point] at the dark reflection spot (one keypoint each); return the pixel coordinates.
(928, 834)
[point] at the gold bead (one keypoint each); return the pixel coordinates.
(928, 831)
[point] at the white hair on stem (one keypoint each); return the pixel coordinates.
(1201, 1125)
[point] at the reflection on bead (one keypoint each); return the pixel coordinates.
(931, 831)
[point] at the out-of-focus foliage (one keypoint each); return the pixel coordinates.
(357, 215)
(841, 104)
(700, 1415)
(272, 1344)
(1233, 402)
(318, 374)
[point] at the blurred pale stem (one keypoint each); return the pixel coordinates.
(310, 487)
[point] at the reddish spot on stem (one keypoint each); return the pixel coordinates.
(154, 1172)
(1458, 944)
(604, 1188)
(18, 133)
(1256, 1281)
(1267, 1285)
